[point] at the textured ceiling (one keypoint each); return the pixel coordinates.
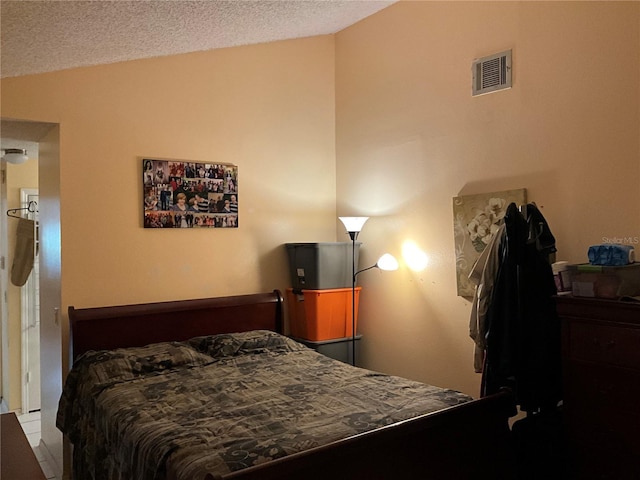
(45, 36)
(23, 134)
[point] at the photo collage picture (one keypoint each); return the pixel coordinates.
(184, 194)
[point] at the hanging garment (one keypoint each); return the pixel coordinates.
(483, 275)
(24, 252)
(522, 327)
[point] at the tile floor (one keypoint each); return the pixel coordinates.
(30, 423)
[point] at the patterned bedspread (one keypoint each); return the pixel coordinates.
(222, 403)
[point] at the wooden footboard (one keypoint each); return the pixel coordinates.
(468, 441)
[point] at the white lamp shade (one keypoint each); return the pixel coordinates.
(387, 262)
(353, 224)
(15, 155)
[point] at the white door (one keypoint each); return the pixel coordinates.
(31, 317)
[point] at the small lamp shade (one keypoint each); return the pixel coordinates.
(387, 262)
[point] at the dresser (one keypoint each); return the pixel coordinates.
(601, 371)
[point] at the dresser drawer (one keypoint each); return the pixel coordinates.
(601, 375)
(603, 421)
(600, 343)
(605, 398)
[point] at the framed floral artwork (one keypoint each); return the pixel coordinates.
(476, 219)
(187, 194)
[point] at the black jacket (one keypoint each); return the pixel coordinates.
(523, 329)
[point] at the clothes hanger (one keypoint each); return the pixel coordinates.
(32, 207)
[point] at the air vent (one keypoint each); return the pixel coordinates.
(491, 73)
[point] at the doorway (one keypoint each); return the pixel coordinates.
(43, 138)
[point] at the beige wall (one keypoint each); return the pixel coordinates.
(266, 108)
(410, 138)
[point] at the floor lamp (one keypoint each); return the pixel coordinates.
(353, 226)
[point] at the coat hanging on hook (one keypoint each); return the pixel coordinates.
(521, 328)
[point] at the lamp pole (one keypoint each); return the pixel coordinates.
(353, 298)
(353, 226)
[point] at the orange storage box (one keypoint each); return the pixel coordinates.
(321, 314)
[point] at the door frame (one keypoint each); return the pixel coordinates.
(4, 278)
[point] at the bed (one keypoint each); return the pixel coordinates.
(210, 389)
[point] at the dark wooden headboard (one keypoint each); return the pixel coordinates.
(105, 328)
